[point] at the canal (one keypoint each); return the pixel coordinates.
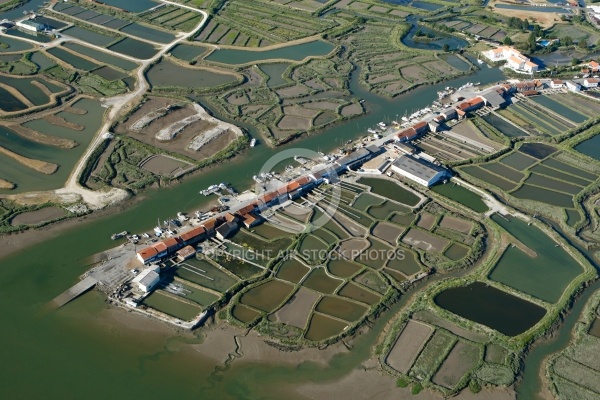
(86, 349)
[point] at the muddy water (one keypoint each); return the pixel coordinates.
(52, 348)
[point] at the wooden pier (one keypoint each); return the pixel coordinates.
(75, 291)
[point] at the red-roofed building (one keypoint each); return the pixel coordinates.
(591, 82)
(185, 253)
(406, 135)
(173, 244)
(594, 66)
(250, 220)
(161, 249)
(147, 255)
(211, 224)
(247, 209)
(229, 217)
(420, 127)
(303, 180)
(193, 236)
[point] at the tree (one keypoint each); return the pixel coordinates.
(574, 61)
(446, 47)
(582, 44)
(531, 43)
(525, 24)
(507, 41)
(567, 41)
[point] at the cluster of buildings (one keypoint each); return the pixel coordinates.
(513, 57)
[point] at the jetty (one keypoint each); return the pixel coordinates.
(74, 291)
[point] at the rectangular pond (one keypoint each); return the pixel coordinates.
(559, 108)
(461, 195)
(590, 147)
(542, 195)
(76, 61)
(148, 33)
(134, 48)
(544, 276)
(491, 307)
(296, 52)
(102, 57)
(92, 37)
(133, 6)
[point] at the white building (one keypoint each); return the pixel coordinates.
(591, 82)
(556, 84)
(514, 59)
(572, 86)
(419, 170)
(30, 26)
(148, 278)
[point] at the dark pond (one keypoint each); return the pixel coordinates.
(492, 307)
(590, 147)
(537, 150)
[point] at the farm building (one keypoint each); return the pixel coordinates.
(419, 170)
(591, 82)
(556, 83)
(185, 253)
(147, 279)
(30, 26)
(572, 86)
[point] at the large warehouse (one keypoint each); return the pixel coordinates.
(419, 170)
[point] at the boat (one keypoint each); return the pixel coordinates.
(257, 179)
(371, 130)
(382, 125)
(253, 142)
(158, 231)
(480, 61)
(118, 235)
(145, 235)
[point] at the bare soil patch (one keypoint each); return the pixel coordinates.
(6, 185)
(164, 166)
(299, 111)
(352, 227)
(352, 247)
(323, 105)
(456, 224)
(413, 74)
(352, 109)
(297, 310)
(425, 241)
(292, 91)
(60, 121)
(462, 358)
(426, 221)
(203, 132)
(294, 123)
(408, 345)
(388, 232)
(38, 216)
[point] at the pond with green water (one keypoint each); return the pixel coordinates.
(544, 276)
(590, 147)
(341, 308)
(492, 307)
(322, 327)
(267, 296)
(168, 74)
(168, 305)
(391, 190)
(275, 73)
(295, 52)
(461, 195)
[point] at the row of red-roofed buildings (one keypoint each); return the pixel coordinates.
(224, 226)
